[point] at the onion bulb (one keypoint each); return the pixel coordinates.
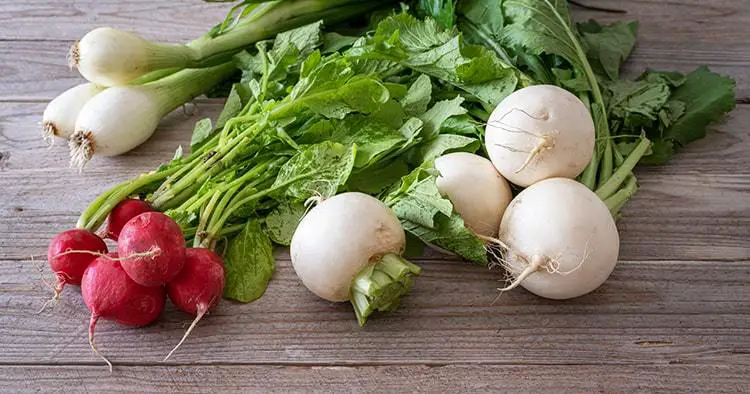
(59, 118)
(113, 57)
(121, 118)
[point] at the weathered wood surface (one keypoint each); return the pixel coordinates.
(675, 315)
(379, 379)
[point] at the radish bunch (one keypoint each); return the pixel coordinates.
(131, 286)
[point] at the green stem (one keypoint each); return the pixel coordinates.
(613, 183)
(588, 178)
(180, 87)
(381, 286)
(95, 214)
(277, 18)
(617, 201)
(606, 165)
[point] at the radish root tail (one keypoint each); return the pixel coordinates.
(202, 309)
(92, 327)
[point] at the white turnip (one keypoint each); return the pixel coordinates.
(561, 239)
(348, 249)
(477, 191)
(540, 132)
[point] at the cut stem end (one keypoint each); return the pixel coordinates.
(379, 287)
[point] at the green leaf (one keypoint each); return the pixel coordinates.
(418, 200)
(376, 179)
(304, 39)
(319, 169)
(373, 139)
(707, 97)
(607, 47)
(425, 47)
(335, 42)
(440, 10)
(462, 125)
(418, 96)
(632, 99)
(249, 264)
(232, 107)
(439, 113)
(450, 233)
(283, 220)
(201, 131)
(446, 143)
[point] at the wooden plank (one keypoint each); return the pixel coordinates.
(647, 312)
(674, 35)
(411, 378)
(175, 21)
(695, 208)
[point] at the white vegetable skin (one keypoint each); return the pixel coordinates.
(59, 118)
(113, 57)
(114, 122)
(339, 238)
(567, 230)
(540, 132)
(477, 191)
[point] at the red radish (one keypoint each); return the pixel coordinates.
(70, 252)
(109, 293)
(122, 213)
(198, 287)
(152, 247)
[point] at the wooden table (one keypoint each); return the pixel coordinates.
(674, 316)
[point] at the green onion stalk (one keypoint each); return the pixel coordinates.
(111, 57)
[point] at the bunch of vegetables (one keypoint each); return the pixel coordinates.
(134, 83)
(131, 286)
(358, 150)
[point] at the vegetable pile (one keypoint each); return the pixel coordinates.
(359, 145)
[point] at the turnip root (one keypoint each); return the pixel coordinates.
(477, 191)
(152, 247)
(198, 287)
(109, 293)
(122, 213)
(561, 239)
(70, 252)
(540, 132)
(348, 249)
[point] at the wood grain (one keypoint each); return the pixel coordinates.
(648, 312)
(411, 378)
(50, 20)
(674, 316)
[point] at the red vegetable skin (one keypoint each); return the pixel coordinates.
(109, 293)
(70, 252)
(198, 287)
(122, 213)
(153, 249)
